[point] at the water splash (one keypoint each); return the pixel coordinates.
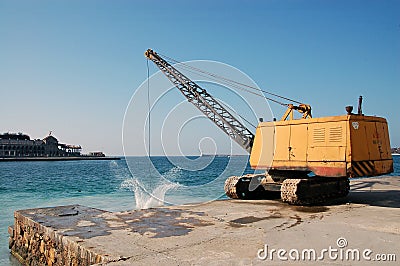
(147, 198)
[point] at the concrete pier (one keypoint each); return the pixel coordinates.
(226, 232)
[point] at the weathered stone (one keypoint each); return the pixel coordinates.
(52, 254)
(11, 231)
(35, 244)
(10, 242)
(41, 247)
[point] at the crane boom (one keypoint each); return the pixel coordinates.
(205, 103)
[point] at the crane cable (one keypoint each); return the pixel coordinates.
(237, 86)
(233, 81)
(238, 115)
(229, 83)
(148, 107)
(233, 84)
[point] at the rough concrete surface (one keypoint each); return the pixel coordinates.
(232, 232)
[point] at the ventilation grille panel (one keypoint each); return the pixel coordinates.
(319, 135)
(335, 134)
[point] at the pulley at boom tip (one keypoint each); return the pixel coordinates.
(149, 52)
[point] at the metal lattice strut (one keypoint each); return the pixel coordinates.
(205, 103)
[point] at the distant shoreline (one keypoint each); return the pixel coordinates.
(24, 159)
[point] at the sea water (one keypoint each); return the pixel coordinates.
(126, 184)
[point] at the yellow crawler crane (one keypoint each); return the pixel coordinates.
(309, 160)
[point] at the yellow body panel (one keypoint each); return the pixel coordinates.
(348, 145)
(298, 149)
(282, 138)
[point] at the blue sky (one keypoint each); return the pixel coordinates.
(72, 66)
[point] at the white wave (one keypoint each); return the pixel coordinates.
(173, 173)
(113, 163)
(119, 171)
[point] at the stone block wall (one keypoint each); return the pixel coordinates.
(34, 244)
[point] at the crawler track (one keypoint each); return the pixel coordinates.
(246, 187)
(230, 187)
(314, 190)
(296, 191)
